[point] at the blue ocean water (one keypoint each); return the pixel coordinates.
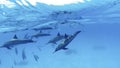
(96, 46)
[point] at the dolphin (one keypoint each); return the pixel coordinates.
(16, 51)
(56, 39)
(43, 28)
(40, 35)
(24, 54)
(66, 41)
(15, 41)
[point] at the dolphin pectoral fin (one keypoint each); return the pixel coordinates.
(65, 48)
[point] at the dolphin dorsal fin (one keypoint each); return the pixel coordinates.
(66, 36)
(58, 34)
(15, 37)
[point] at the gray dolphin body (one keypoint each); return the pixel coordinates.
(56, 39)
(66, 41)
(43, 28)
(15, 41)
(40, 35)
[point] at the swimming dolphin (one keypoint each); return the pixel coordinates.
(43, 28)
(40, 35)
(56, 39)
(16, 51)
(15, 41)
(66, 41)
(24, 57)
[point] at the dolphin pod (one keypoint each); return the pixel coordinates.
(66, 39)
